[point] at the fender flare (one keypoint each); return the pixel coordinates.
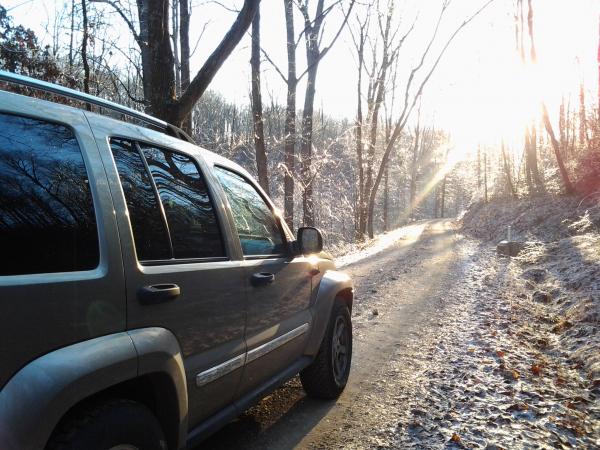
(332, 283)
(35, 399)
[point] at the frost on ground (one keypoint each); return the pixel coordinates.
(498, 375)
(520, 360)
(514, 361)
(378, 244)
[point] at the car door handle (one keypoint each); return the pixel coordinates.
(158, 293)
(262, 278)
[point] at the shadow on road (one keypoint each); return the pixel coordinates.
(286, 409)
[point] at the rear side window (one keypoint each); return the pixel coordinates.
(149, 229)
(171, 213)
(255, 223)
(47, 220)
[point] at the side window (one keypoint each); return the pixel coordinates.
(190, 214)
(172, 216)
(256, 226)
(149, 229)
(47, 220)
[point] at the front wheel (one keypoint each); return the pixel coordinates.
(328, 374)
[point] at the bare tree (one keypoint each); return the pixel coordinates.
(257, 111)
(313, 37)
(411, 99)
(569, 189)
(290, 114)
(156, 51)
(314, 54)
(84, 55)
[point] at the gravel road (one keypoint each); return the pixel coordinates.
(400, 294)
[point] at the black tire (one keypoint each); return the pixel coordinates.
(328, 374)
(116, 424)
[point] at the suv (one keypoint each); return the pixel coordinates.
(149, 289)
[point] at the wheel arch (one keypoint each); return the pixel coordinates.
(334, 285)
(35, 400)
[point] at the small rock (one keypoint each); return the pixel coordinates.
(541, 297)
(535, 274)
(375, 312)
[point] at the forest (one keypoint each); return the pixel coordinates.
(384, 165)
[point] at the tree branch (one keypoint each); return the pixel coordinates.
(186, 102)
(326, 49)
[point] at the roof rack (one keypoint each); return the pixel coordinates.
(90, 99)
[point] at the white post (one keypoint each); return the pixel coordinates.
(509, 234)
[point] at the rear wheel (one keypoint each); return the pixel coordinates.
(112, 425)
(327, 376)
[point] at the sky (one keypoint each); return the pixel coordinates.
(479, 93)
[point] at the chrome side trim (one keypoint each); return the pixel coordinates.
(277, 342)
(218, 371)
(239, 361)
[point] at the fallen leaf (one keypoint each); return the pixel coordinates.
(455, 437)
(536, 369)
(518, 407)
(500, 353)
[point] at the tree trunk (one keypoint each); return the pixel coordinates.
(485, 170)
(478, 167)
(533, 163)
(379, 88)
(385, 199)
(556, 147)
(257, 113)
(414, 168)
(361, 202)
(158, 60)
(290, 117)
(184, 42)
(306, 148)
(84, 57)
(159, 85)
(507, 172)
(71, 36)
(443, 202)
(175, 40)
(311, 37)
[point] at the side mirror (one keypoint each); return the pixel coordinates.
(309, 240)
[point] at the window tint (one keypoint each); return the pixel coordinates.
(258, 230)
(149, 231)
(47, 221)
(190, 215)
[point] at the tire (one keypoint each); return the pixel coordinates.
(328, 374)
(112, 425)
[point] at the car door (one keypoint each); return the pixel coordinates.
(278, 283)
(181, 273)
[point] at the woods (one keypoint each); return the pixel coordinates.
(384, 164)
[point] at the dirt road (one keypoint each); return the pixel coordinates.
(400, 303)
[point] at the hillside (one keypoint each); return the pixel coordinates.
(553, 288)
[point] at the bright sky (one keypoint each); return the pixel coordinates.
(479, 93)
